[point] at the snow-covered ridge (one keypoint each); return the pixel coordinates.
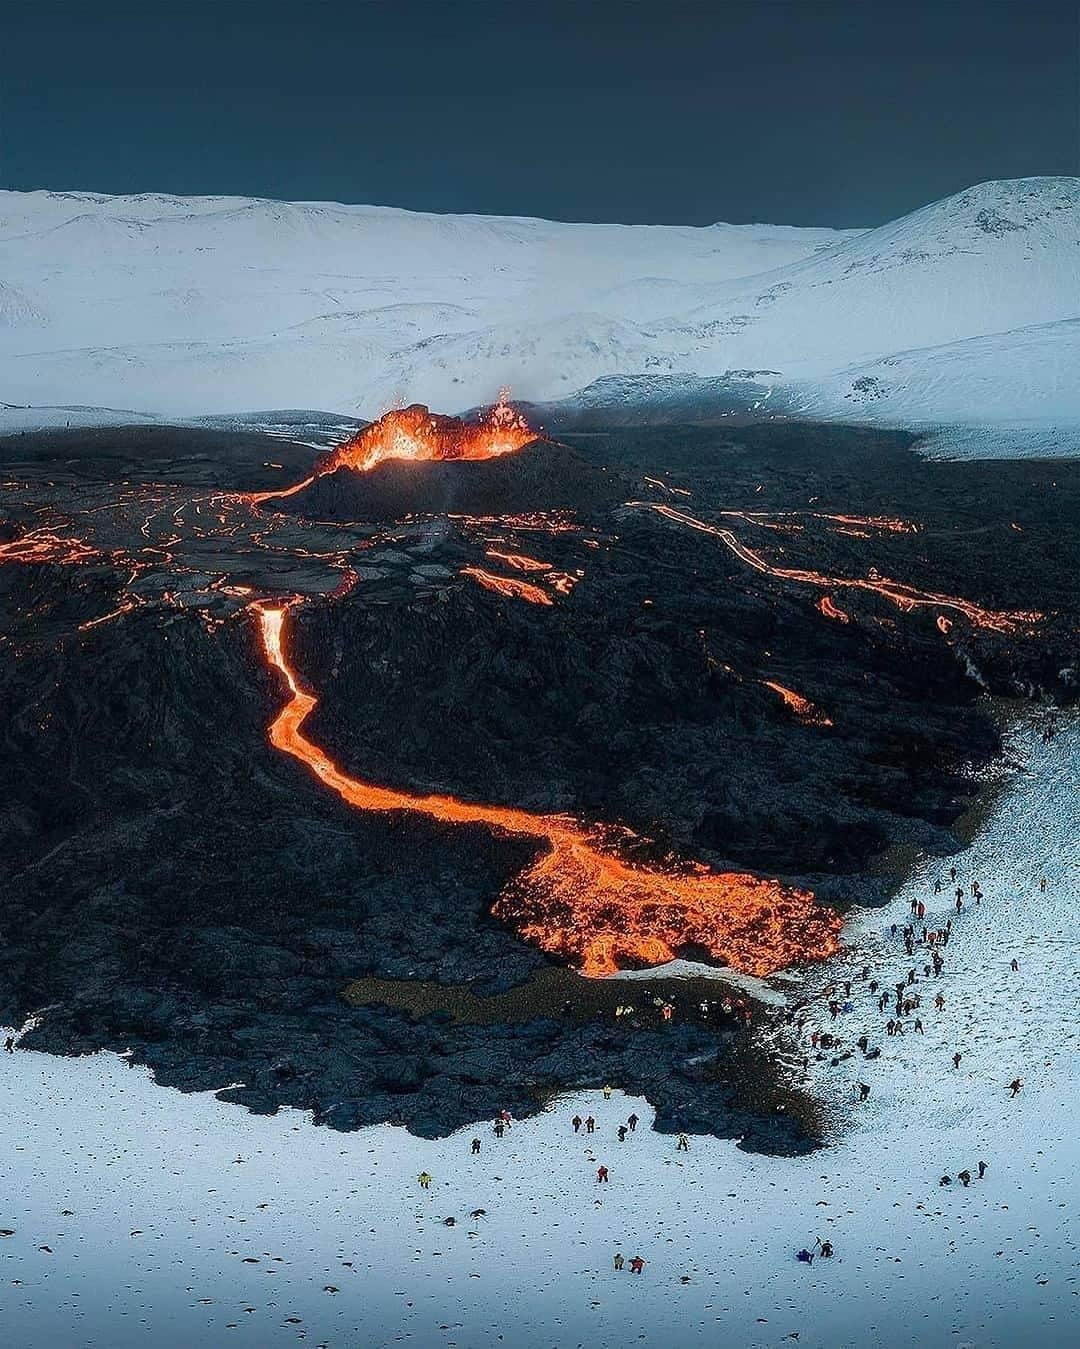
(966, 310)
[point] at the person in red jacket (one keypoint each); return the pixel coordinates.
(601, 1175)
(637, 1265)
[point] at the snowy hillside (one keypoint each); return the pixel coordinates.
(966, 310)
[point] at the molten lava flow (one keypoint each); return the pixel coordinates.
(124, 607)
(43, 545)
(830, 610)
(256, 497)
(575, 901)
(803, 708)
(508, 585)
(563, 582)
(542, 522)
(518, 560)
(887, 523)
(417, 433)
(905, 597)
(597, 911)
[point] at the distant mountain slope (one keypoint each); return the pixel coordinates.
(212, 305)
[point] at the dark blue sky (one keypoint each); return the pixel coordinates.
(809, 112)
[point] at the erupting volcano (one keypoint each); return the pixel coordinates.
(576, 901)
(415, 432)
(418, 434)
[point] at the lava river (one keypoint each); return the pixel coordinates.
(905, 597)
(577, 901)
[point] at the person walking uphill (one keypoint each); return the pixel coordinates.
(637, 1265)
(576, 1122)
(425, 1180)
(601, 1175)
(619, 1261)
(683, 1145)
(475, 1146)
(632, 1122)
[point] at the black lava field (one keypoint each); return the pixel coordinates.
(769, 650)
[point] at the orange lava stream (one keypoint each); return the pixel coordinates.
(124, 607)
(509, 586)
(904, 596)
(830, 610)
(257, 497)
(575, 901)
(563, 582)
(888, 523)
(42, 545)
(803, 708)
(518, 560)
(543, 522)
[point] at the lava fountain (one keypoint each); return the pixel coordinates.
(418, 434)
(577, 901)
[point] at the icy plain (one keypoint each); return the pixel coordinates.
(131, 1214)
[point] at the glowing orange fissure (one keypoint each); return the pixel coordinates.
(904, 596)
(519, 561)
(830, 610)
(510, 586)
(44, 545)
(575, 901)
(417, 433)
(803, 708)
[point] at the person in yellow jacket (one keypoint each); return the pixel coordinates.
(425, 1180)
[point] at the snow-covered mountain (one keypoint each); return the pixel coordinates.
(967, 310)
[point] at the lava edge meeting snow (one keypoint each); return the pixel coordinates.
(281, 1228)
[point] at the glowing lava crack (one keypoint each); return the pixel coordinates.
(576, 901)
